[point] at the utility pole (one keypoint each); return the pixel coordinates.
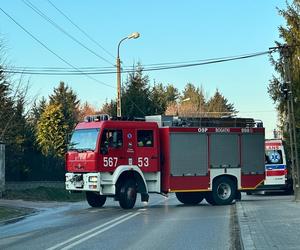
(285, 53)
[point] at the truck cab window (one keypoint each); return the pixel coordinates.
(112, 139)
(145, 138)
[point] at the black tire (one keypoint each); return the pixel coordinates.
(288, 191)
(94, 199)
(209, 198)
(238, 195)
(127, 194)
(190, 198)
(224, 191)
(289, 188)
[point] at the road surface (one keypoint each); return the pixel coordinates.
(163, 223)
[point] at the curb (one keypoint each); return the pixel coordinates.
(245, 233)
(12, 220)
(18, 218)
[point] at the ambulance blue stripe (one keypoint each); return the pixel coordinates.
(271, 167)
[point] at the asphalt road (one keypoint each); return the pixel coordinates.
(163, 223)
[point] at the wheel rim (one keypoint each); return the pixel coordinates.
(131, 193)
(224, 191)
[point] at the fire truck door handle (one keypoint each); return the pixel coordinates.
(154, 157)
(121, 158)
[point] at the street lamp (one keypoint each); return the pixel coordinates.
(133, 35)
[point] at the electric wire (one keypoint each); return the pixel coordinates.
(51, 51)
(100, 71)
(54, 24)
(143, 66)
(159, 66)
(80, 29)
(62, 59)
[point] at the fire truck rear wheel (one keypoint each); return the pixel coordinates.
(224, 191)
(190, 198)
(94, 199)
(127, 194)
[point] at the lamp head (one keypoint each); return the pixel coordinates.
(134, 35)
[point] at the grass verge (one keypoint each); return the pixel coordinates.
(7, 213)
(43, 194)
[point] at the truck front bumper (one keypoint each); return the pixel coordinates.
(83, 182)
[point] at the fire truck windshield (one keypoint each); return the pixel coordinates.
(84, 139)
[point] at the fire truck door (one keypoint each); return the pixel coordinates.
(147, 156)
(112, 148)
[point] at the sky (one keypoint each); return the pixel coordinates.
(170, 31)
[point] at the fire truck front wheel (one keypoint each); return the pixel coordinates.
(224, 191)
(127, 194)
(190, 198)
(94, 199)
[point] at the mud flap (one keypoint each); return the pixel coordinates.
(238, 195)
(144, 197)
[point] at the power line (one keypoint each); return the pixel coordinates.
(81, 30)
(208, 62)
(58, 56)
(51, 51)
(100, 71)
(144, 65)
(48, 19)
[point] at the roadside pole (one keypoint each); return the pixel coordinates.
(2, 168)
(285, 53)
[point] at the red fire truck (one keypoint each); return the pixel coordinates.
(211, 158)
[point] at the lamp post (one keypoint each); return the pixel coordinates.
(133, 35)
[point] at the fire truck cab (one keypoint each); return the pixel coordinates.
(215, 161)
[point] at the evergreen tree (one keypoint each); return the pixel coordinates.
(35, 112)
(6, 106)
(136, 100)
(66, 99)
(171, 93)
(109, 108)
(192, 101)
(52, 131)
(19, 143)
(162, 96)
(290, 34)
(218, 106)
(158, 99)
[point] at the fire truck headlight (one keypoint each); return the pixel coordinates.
(93, 179)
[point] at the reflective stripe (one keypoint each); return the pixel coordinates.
(275, 173)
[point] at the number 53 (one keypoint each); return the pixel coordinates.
(143, 162)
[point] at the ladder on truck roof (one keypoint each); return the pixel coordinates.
(176, 121)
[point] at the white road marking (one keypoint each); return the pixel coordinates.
(90, 231)
(99, 232)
